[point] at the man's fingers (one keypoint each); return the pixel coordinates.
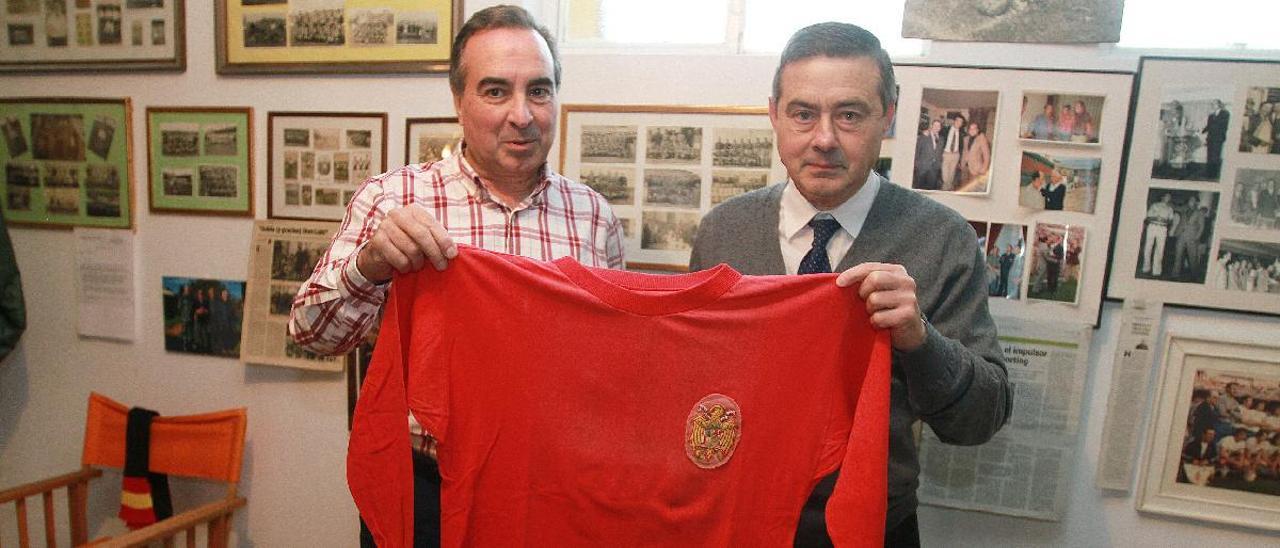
(420, 227)
(399, 249)
(442, 238)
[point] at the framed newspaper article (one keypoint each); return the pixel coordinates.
(67, 162)
(430, 139)
(1198, 222)
(78, 35)
(282, 255)
(663, 167)
(317, 160)
(334, 36)
(200, 160)
(1211, 448)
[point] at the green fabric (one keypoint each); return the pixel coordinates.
(13, 311)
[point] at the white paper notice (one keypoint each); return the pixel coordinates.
(104, 280)
(1024, 470)
(1130, 381)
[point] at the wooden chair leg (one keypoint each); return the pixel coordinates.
(77, 498)
(191, 537)
(24, 541)
(218, 532)
(50, 537)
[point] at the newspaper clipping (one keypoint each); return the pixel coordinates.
(1023, 471)
(281, 258)
(1130, 383)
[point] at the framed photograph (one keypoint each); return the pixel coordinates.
(334, 36)
(663, 167)
(1061, 117)
(67, 162)
(953, 140)
(1211, 451)
(203, 316)
(200, 160)
(76, 35)
(317, 160)
(430, 139)
(1059, 183)
(1197, 223)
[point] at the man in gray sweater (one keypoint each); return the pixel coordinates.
(921, 272)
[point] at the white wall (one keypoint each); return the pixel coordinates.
(294, 471)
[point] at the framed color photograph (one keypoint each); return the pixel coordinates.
(663, 167)
(200, 160)
(430, 139)
(1211, 447)
(1197, 225)
(334, 36)
(203, 316)
(67, 162)
(317, 160)
(78, 35)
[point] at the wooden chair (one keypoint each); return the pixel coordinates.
(208, 446)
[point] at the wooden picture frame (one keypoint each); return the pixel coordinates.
(1220, 259)
(191, 151)
(430, 139)
(67, 161)
(91, 40)
(300, 185)
(384, 37)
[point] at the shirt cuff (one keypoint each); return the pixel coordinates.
(354, 283)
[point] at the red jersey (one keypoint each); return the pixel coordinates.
(578, 406)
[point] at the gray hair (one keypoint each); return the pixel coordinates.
(497, 17)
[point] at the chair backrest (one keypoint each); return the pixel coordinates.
(208, 445)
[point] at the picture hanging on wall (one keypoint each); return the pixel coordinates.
(1198, 222)
(203, 316)
(430, 139)
(317, 160)
(200, 160)
(67, 162)
(334, 36)
(663, 167)
(953, 140)
(78, 35)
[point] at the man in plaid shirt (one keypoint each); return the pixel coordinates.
(497, 194)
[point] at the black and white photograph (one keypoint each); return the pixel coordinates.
(434, 149)
(292, 194)
(742, 147)
(15, 141)
(102, 135)
(265, 30)
(361, 165)
(328, 196)
(357, 138)
(84, 29)
(326, 138)
(1061, 118)
(55, 23)
(727, 183)
(953, 141)
(220, 181)
(22, 174)
(674, 145)
(1059, 183)
(262, 2)
(1176, 235)
(102, 202)
(1244, 265)
(157, 32)
(417, 27)
(143, 4)
(66, 175)
(324, 166)
(308, 165)
(135, 33)
(297, 137)
(203, 316)
(22, 7)
(672, 187)
(179, 139)
(1026, 21)
(21, 34)
(220, 140)
(18, 198)
(1260, 127)
(110, 28)
(101, 176)
(58, 137)
(667, 230)
(282, 298)
(62, 201)
(372, 27)
(1056, 254)
(1232, 432)
(341, 167)
(317, 27)
(616, 185)
(178, 181)
(1193, 128)
(1255, 198)
(294, 260)
(609, 144)
(1006, 246)
(290, 165)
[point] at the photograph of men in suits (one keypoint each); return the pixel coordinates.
(1215, 130)
(961, 125)
(954, 141)
(928, 162)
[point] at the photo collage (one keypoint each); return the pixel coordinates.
(200, 160)
(319, 160)
(52, 25)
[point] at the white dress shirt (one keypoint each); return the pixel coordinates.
(795, 212)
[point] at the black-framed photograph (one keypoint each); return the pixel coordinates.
(77, 36)
(1193, 131)
(431, 139)
(317, 160)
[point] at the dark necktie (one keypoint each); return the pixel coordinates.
(815, 261)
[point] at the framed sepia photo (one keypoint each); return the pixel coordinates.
(1211, 445)
(1197, 225)
(67, 162)
(334, 36)
(200, 160)
(430, 139)
(76, 35)
(663, 167)
(317, 160)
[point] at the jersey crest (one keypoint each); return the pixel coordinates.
(712, 431)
